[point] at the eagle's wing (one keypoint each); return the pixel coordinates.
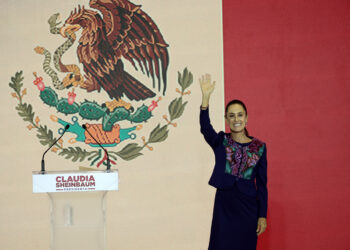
(134, 35)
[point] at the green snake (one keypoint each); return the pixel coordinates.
(57, 83)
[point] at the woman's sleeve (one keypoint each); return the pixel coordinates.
(207, 130)
(261, 183)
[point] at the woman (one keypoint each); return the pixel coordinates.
(239, 175)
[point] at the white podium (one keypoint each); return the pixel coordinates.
(77, 206)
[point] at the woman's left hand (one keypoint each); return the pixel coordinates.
(261, 225)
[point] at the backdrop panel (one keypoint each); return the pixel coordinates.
(164, 201)
(289, 61)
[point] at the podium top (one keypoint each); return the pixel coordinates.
(74, 171)
(74, 181)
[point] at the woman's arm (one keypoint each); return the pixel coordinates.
(207, 130)
(261, 183)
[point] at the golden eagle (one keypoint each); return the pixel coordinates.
(125, 31)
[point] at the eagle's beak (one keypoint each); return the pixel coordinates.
(69, 28)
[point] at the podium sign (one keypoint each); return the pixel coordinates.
(77, 206)
(82, 181)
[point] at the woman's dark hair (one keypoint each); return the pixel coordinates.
(235, 101)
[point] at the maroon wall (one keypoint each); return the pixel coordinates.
(290, 62)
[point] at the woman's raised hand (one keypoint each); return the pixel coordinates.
(207, 86)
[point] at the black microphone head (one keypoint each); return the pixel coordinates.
(84, 126)
(66, 127)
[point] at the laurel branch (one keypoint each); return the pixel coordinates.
(25, 111)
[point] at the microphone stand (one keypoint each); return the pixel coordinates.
(42, 159)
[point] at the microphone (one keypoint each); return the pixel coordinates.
(42, 159)
(108, 160)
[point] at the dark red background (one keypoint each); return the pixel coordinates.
(289, 61)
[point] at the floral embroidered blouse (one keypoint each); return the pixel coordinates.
(240, 159)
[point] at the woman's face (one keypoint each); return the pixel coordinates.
(236, 118)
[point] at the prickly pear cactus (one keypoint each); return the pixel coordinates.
(140, 115)
(118, 114)
(64, 107)
(91, 110)
(49, 96)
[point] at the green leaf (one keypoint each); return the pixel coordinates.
(187, 79)
(113, 157)
(16, 82)
(180, 111)
(130, 152)
(131, 157)
(94, 154)
(173, 107)
(188, 82)
(185, 75)
(158, 134)
(75, 153)
(45, 136)
(179, 79)
(26, 112)
(176, 108)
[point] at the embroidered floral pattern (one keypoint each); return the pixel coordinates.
(241, 160)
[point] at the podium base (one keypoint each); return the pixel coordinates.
(78, 220)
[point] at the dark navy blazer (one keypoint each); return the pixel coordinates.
(221, 180)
